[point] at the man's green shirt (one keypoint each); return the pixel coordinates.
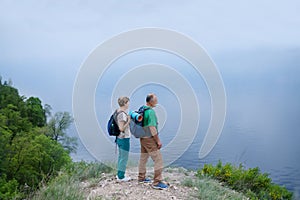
(150, 118)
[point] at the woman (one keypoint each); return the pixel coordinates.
(123, 140)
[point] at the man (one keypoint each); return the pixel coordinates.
(150, 146)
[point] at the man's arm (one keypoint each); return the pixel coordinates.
(155, 136)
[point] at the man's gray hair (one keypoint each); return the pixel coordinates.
(150, 97)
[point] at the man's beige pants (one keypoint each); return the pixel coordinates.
(149, 148)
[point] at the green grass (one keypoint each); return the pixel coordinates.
(66, 186)
(63, 187)
(251, 182)
(208, 188)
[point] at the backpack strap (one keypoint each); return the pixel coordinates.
(143, 108)
(116, 113)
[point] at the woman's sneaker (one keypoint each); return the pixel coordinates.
(146, 180)
(125, 179)
(160, 186)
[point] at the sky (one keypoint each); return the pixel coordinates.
(43, 43)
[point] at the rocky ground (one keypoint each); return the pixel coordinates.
(109, 188)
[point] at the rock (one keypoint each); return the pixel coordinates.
(173, 187)
(92, 195)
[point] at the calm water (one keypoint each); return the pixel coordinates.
(263, 113)
(264, 134)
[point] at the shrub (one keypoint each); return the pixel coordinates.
(188, 182)
(8, 189)
(250, 181)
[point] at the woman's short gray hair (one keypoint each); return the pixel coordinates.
(122, 101)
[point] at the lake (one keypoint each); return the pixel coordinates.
(262, 124)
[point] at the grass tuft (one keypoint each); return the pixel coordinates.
(212, 189)
(67, 185)
(62, 187)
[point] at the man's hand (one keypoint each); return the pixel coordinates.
(157, 140)
(155, 136)
(159, 144)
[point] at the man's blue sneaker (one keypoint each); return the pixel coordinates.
(146, 180)
(160, 186)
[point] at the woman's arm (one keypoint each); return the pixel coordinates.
(123, 125)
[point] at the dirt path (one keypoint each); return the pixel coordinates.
(109, 188)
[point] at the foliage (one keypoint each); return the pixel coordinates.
(209, 188)
(63, 187)
(28, 156)
(83, 170)
(35, 112)
(8, 189)
(56, 129)
(250, 181)
(67, 184)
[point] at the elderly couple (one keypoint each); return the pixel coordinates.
(150, 146)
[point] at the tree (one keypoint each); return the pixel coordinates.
(47, 109)
(57, 127)
(9, 95)
(35, 111)
(29, 152)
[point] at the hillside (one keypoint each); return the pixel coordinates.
(96, 181)
(181, 186)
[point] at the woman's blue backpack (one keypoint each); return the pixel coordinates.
(112, 126)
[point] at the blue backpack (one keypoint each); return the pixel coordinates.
(112, 126)
(137, 128)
